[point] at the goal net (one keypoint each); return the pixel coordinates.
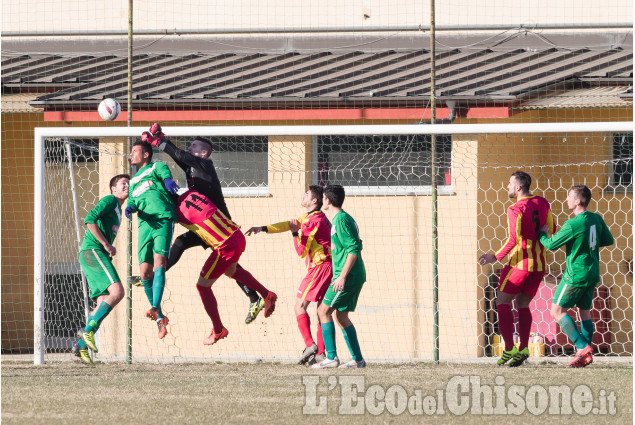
(392, 193)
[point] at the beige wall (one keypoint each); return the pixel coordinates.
(75, 15)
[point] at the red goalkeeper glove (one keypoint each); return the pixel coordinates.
(149, 138)
(156, 131)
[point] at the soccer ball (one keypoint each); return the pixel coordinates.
(109, 109)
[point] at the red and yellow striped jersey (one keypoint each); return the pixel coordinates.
(525, 218)
(197, 213)
(314, 237)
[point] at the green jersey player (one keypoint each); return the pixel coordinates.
(349, 276)
(150, 198)
(583, 236)
(95, 260)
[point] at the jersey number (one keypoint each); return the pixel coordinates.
(593, 237)
(536, 219)
(193, 205)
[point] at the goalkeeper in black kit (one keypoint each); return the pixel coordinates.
(201, 176)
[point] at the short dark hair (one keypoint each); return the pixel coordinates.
(145, 147)
(583, 193)
(335, 194)
(115, 180)
(317, 192)
(206, 141)
(523, 179)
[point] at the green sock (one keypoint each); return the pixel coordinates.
(147, 287)
(350, 336)
(328, 333)
(82, 344)
(587, 330)
(569, 327)
(95, 320)
(157, 289)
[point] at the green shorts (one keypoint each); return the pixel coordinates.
(155, 237)
(346, 299)
(99, 271)
(568, 296)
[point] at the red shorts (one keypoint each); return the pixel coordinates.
(224, 256)
(316, 282)
(514, 281)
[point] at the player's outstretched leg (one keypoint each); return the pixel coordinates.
(243, 276)
(255, 307)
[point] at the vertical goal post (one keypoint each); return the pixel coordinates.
(41, 133)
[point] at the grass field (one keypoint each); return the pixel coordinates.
(240, 393)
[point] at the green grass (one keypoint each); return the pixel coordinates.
(238, 393)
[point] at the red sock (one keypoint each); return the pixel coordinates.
(506, 324)
(524, 327)
(209, 302)
(304, 323)
(244, 277)
(320, 339)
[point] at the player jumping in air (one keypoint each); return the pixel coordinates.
(312, 239)
(95, 259)
(521, 277)
(195, 162)
(150, 198)
(201, 175)
(583, 236)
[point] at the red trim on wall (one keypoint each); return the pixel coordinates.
(279, 114)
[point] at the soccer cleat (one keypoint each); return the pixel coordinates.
(270, 303)
(135, 280)
(351, 364)
(318, 358)
(89, 339)
(214, 337)
(254, 310)
(507, 356)
(519, 358)
(327, 363)
(75, 349)
(307, 353)
(153, 313)
(582, 358)
(85, 356)
(162, 325)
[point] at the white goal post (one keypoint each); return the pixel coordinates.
(471, 182)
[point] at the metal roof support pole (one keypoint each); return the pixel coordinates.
(433, 172)
(129, 225)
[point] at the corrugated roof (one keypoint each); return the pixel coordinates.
(369, 77)
(593, 97)
(14, 103)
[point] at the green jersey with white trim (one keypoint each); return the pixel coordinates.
(107, 216)
(149, 195)
(583, 235)
(345, 240)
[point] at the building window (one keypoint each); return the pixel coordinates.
(383, 165)
(241, 163)
(623, 159)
